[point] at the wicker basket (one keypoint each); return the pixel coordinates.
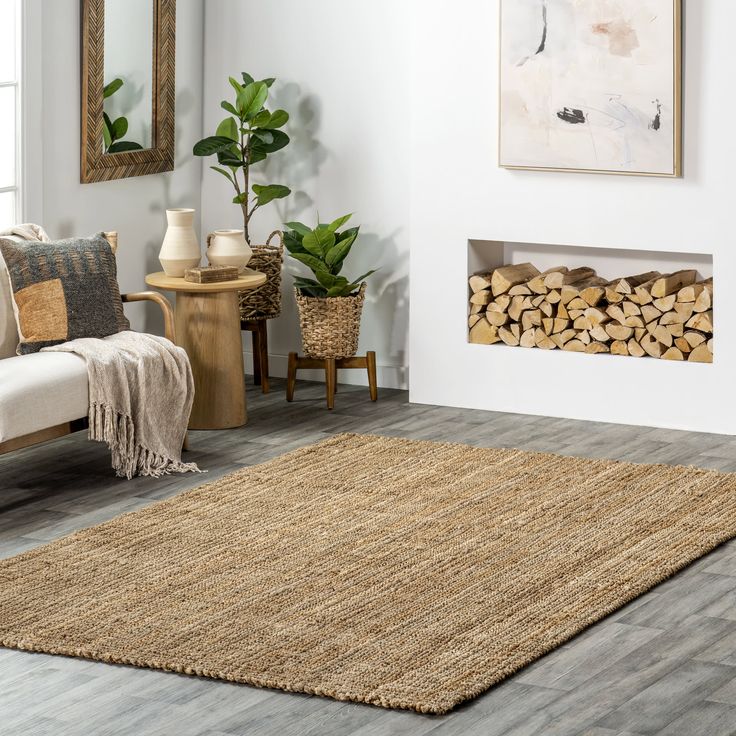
(330, 326)
(265, 301)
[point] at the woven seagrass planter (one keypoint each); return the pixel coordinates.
(265, 301)
(331, 325)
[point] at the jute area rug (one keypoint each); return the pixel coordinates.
(401, 573)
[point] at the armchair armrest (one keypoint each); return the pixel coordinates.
(163, 302)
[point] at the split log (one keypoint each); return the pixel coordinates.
(651, 346)
(702, 321)
(574, 346)
(527, 339)
(650, 313)
(480, 281)
(595, 348)
(694, 338)
(505, 277)
(619, 347)
(673, 354)
(618, 331)
(701, 354)
(520, 290)
(484, 333)
(473, 320)
(673, 282)
(627, 284)
(531, 318)
(543, 341)
(635, 348)
(666, 303)
(599, 334)
(509, 337)
(704, 301)
(482, 298)
(558, 279)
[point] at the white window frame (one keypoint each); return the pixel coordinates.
(16, 187)
(29, 161)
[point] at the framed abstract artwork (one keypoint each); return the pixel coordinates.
(591, 86)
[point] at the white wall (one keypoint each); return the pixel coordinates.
(343, 71)
(134, 207)
(464, 195)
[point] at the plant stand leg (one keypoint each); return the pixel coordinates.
(263, 354)
(372, 380)
(330, 373)
(291, 377)
(256, 341)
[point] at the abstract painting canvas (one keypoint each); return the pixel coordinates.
(591, 85)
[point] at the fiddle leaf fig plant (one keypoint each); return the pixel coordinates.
(246, 137)
(323, 250)
(114, 130)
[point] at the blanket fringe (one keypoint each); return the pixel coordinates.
(130, 459)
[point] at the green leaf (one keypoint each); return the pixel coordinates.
(225, 105)
(240, 198)
(255, 157)
(337, 224)
(106, 130)
(310, 261)
(251, 99)
(123, 146)
(228, 128)
(110, 89)
(362, 278)
(119, 128)
(319, 242)
(297, 227)
(339, 289)
(325, 278)
(261, 119)
(268, 81)
(224, 172)
(270, 192)
(280, 140)
(236, 85)
(212, 145)
(340, 252)
(293, 243)
(247, 79)
(276, 119)
(265, 136)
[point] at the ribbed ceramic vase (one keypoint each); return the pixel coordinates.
(228, 248)
(180, 249)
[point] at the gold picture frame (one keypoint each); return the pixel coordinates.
(677, 148)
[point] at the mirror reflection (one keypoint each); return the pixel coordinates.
(128, 65)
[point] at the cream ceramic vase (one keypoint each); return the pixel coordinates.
(228, 248)
(180, 249)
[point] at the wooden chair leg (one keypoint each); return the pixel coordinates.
(335, 379)
(291, 377)
(330, 373)
(372, 380)
(263, 347)
(256, 335)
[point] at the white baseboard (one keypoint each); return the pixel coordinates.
(389, 376)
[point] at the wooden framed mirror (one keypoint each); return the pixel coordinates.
(128, 88)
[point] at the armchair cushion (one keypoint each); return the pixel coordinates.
(40, 391)
(63, 290)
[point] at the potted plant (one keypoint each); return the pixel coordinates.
(245, 138)
(330, 305)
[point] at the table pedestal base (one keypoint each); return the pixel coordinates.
(208, 328)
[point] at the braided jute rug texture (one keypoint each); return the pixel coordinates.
(401, 573)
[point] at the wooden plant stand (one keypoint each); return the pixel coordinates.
(331, 366)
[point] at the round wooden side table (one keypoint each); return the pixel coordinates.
(207, 320)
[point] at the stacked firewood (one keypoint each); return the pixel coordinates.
(667, 316)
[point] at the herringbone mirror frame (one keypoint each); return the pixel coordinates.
(100, 166)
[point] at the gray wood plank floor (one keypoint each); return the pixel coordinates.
(666, 664)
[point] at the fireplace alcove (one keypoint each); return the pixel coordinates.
(621, 319)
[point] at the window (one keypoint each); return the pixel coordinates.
(10, 16)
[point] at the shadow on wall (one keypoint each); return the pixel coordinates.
(386, 315)
(185, 103)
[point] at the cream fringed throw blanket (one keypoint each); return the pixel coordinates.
(140, 396)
